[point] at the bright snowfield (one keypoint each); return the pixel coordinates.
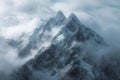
(60, 48)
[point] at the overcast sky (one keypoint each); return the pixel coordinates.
(17, 16)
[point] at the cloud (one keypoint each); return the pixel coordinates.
(9, 60)
(8, 56)
(22, 16)
(15, 30)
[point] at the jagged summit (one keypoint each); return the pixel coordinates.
(74, 30)
(60, 17)
(60, 13)
(72, 22)
(73, 17)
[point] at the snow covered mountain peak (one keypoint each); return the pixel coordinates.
(60, 17)
(60, 14)
(67, 53)
(72, 23)
(73, 17)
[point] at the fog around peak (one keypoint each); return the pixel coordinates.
(18, 17)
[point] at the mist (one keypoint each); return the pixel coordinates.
(9, 60)
(18, 17)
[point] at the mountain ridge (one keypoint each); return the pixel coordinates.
(65, 57)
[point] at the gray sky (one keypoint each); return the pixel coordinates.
(17, 16)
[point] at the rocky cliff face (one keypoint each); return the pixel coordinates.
(67, 56)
